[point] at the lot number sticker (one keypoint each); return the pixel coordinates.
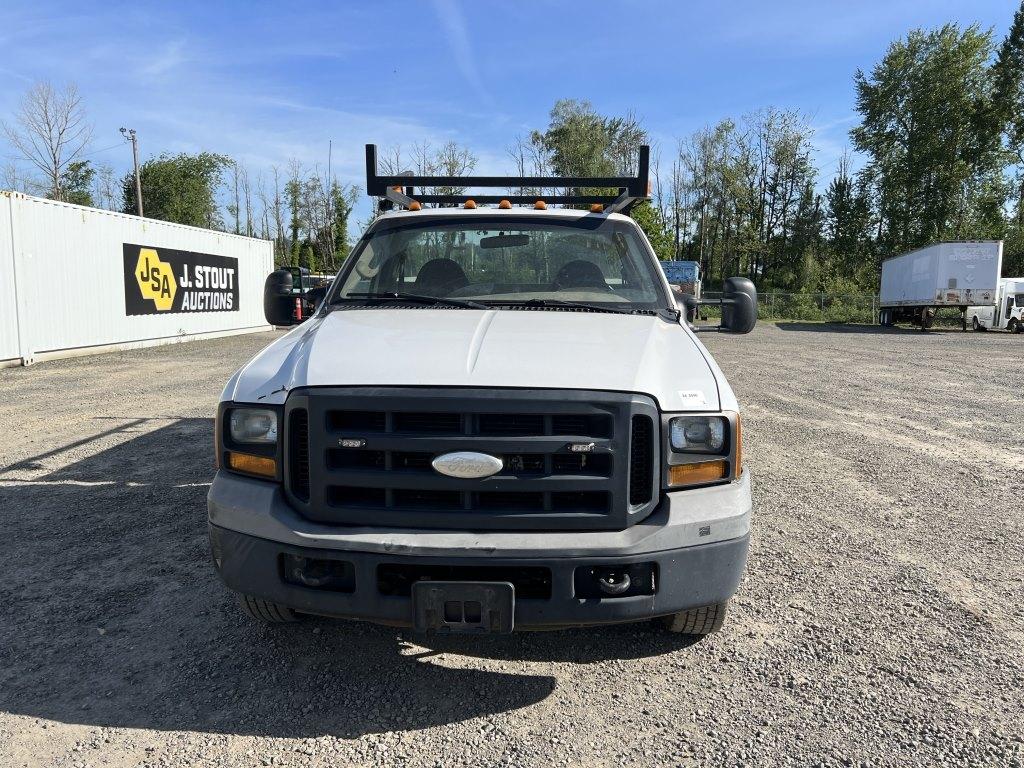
(163, 280)
(692, 398)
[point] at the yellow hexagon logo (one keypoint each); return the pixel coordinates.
(156, 279)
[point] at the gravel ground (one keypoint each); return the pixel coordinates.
(881, 620)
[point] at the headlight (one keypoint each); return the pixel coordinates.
(699, 434)
(247, 440)
(253, 426)
(701, 448)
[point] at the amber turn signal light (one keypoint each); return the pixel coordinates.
(695, 474)
(739, 447)
(252, 465)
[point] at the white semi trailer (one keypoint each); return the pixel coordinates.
(953, 274)
(1008, 311)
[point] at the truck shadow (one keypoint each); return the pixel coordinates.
(115, 616)
(858, 328)
(574, 646)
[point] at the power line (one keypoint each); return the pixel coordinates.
(105, 149)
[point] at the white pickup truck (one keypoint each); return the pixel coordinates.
(496, 418)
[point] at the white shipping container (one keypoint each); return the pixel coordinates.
(77, 280)
(945, 274)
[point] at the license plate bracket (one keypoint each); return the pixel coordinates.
(463, 607)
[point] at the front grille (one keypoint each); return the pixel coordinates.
(510, 424)
(383, 474)
(298, 453)
(358, 421)
(641, 461)
(427, 423)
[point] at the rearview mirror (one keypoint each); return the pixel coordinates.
(739, 305)
(278, 298)
(504, 241)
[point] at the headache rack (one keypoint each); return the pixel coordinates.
(400, 189)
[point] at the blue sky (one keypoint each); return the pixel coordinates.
(265, 82)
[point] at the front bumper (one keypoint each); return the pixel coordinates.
(697, 541)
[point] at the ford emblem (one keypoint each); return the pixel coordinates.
(467, 464)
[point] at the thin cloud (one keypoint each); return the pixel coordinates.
(452, 19)
(169, 57)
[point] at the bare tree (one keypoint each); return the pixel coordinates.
(391, 163)
(247, 196)
(264, 201)
(13, 179)
(279, 236)
(50, 131)
(107, 190)
(453, 160)
(235, 207)
(530, 159)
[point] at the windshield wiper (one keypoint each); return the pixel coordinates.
(419, 299)
(559, 303)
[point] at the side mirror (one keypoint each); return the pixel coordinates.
(739, 305)
(278, 299)
(692, 306)
(314, 296)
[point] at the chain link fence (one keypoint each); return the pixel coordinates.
(821, 307)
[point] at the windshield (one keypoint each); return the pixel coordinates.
(504, 260)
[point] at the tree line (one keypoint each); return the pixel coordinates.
(938, 154)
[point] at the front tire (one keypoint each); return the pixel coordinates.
(696, 621)
(1014, 326)
(975, 324)
(266, 611)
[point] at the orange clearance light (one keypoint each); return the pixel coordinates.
(596, 208)
(414, 206)
(470, 204)
(504, 205)
(694, 474)
(540, 205)
(253, 465)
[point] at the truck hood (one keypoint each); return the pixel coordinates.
(494, 348)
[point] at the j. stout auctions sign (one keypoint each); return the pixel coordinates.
(158, 280)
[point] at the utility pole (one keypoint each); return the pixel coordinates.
(129, 134)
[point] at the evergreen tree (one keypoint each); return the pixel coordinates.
(847, 224)
(342, 201)
(76, 182)
(656, 228)
(293, 190)
(307, 256)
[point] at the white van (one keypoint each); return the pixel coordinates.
(1008, 311)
